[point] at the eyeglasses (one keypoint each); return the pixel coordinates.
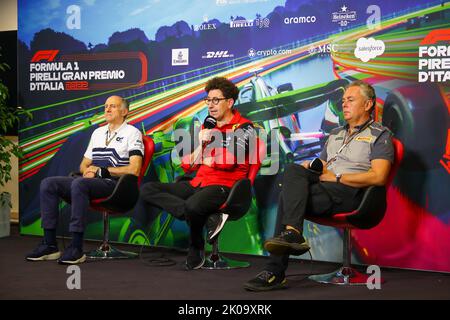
(215, 101)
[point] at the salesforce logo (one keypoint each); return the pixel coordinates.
(300, 20)
(367, 49)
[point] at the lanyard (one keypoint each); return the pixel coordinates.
(348, 139)
(108, 141)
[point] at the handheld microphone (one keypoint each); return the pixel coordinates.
(316, 165)
(210, 122)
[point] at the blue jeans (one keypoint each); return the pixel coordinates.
(76, 191)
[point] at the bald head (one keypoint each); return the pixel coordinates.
(123, 102)
(116, 109)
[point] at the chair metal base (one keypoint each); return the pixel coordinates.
(220, 262)
(106, 251)
(343, 276)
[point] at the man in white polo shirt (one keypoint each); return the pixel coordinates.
(114, 150)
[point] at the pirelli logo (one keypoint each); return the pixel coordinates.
(364, 139)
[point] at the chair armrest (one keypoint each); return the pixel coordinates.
(122, 199)
(239, 199)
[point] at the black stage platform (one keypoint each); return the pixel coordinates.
(134, 280)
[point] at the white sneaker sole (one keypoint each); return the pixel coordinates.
(48, 257)
(81, 260)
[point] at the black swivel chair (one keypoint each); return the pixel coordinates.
(369, 214)
(123, 199)
(236, 206)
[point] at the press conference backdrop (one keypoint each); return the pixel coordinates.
(291, 60)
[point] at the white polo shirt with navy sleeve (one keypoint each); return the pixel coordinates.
(114, 149)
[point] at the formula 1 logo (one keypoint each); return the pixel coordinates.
(434, 54)
(49, 71)
(436, 36)
(48, 55)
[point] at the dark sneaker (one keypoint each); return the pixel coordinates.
(44, 252)
(195, 259)
(72, 255)
(266, 281)
(214, 225)
(288, 242)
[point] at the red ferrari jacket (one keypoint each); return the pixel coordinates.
(225, 169)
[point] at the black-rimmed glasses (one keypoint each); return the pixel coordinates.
(215, 101)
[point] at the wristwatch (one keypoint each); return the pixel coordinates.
(338, 177)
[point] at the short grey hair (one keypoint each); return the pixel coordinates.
(125, 104)
(366, 89)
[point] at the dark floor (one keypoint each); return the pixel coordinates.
(132, 279)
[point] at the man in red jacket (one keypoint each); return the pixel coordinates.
(218, 163)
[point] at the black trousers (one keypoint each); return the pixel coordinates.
(301, 193)
(184, 201)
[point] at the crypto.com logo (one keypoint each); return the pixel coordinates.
(265, 53)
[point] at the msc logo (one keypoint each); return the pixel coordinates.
(217, 54)
(323, 49)
(48, 55)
